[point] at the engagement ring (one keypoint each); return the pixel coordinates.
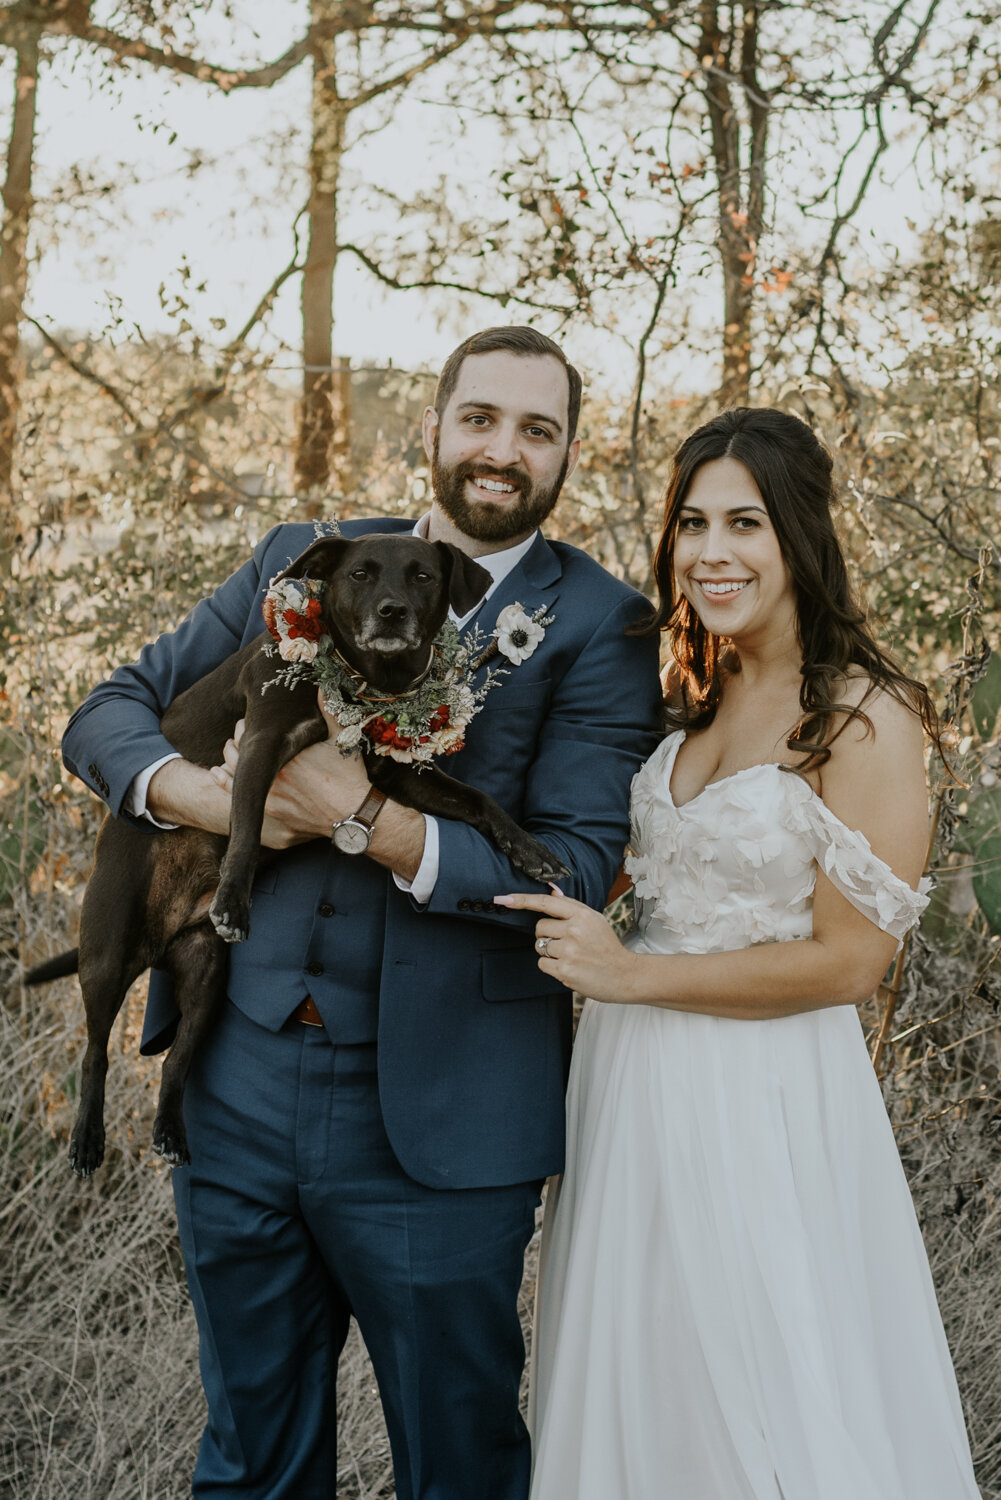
(542, 946)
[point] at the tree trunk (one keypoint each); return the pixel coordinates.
(323, 423)
(740, 218)
(13, 276)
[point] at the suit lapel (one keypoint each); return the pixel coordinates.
(533, 583)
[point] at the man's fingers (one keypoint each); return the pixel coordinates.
(550, 906)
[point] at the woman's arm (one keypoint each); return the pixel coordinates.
(874, 784)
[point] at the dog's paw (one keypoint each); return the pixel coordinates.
(230, 916)
(86, 1151)
(535, 859)
(170, 1142)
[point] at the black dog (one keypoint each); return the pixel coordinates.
(148, 899)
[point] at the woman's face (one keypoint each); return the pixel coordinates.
(727, 559)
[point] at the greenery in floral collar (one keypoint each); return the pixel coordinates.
(428, 720)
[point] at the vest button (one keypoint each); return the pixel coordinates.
(465, 904)
(315, 970)
(326, 910)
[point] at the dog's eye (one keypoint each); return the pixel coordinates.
(423, 577)
(360, 574)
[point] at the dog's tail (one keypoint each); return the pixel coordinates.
(54, 968)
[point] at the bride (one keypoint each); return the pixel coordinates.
(735, 1302)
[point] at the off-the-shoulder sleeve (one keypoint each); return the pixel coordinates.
(846, 858)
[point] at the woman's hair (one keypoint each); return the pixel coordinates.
(794, 473)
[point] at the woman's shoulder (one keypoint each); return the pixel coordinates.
(882, 743)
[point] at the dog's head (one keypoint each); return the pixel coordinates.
(386, 598)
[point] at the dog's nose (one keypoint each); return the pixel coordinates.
(392, 609)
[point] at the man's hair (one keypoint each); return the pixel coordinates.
(515, 340)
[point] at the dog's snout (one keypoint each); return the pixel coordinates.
(392, 609)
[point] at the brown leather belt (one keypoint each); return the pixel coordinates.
(308, 1013)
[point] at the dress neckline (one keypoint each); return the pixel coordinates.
(761, 765)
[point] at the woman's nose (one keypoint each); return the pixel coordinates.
(717, 543)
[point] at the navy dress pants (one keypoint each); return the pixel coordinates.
(294, 1216)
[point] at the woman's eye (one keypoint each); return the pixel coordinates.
(690, 523)
(747, 523)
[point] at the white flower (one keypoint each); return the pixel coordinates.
(351, 736)
(517, 634)
(298, 649)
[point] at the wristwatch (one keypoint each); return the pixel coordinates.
(353, 835)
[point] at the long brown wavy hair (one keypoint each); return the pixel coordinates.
(794, 473)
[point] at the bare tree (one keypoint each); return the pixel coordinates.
(13, 268)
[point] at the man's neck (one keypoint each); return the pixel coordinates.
(441, 528)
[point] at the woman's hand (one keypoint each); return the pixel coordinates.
(580, 949)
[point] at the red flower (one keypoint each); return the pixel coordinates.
(307, 624)
(439, 718)
(385, 733)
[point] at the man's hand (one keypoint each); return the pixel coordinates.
(317, 788)
(314, 789)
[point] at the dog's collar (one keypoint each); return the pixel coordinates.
(360, 683)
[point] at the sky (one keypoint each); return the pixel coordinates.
(112, 260)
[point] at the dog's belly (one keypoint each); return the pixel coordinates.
(184, 878)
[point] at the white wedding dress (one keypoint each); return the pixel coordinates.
(735, 1302)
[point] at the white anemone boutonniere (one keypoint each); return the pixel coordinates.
(517, 634)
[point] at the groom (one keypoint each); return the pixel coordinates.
(372, 1118)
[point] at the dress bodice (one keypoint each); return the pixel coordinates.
(737, 864)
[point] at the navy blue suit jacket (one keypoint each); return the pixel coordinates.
(473, 1039)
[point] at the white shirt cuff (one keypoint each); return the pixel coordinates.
(134, 801)
(423, 884)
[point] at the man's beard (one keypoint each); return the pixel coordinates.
(493, 521)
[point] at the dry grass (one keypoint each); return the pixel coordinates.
(100, 1397)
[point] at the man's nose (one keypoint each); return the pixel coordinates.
(501, 446)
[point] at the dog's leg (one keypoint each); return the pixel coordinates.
(264, 749)
(196, 958)
(431, 791)
(107, 969)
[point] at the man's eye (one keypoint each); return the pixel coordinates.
(539, 432)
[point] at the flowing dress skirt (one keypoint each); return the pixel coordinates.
(735, 1301)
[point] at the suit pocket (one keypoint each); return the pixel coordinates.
(513, 974)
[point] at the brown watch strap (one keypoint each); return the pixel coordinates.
(371, 807)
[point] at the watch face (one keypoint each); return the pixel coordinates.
(351, 837)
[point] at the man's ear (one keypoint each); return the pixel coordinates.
(429, 428)
(467, 580)
(318, 561)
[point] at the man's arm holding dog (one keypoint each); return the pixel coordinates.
(317, 788)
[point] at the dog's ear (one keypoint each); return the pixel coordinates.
(318, 561)
(467, 580)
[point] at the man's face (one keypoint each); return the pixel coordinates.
(499, 452)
